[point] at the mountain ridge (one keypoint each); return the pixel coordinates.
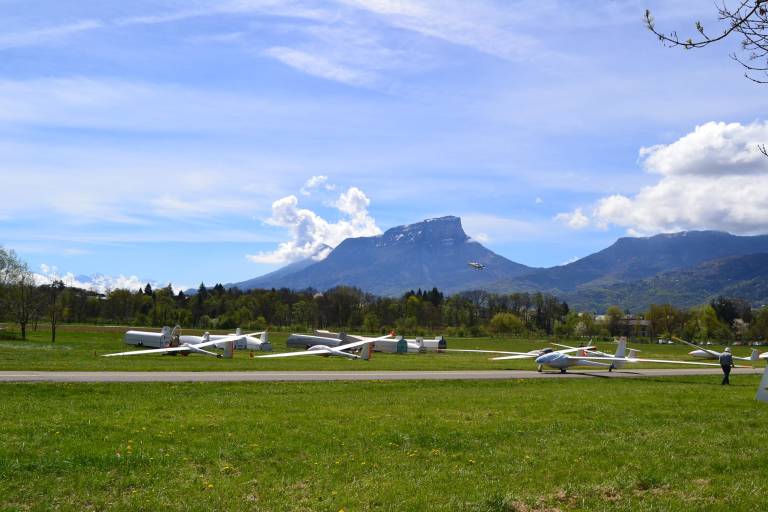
(436, 252)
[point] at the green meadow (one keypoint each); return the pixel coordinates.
(671, 444)
(81, 348)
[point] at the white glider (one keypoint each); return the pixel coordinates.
(762, 390)
(190, 348)
(706, 353)
(325, 350)
(562, 360)
(506, 355)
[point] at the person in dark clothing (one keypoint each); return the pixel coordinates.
(726, 363)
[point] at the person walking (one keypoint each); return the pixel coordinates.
(726, 363)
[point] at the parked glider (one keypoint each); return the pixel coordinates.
(621, 349)
(386, 344)
(325, 350)
(562, 360)
(706, 353)
(762, 389)
(194, 347)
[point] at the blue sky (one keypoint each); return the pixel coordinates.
(178, 140)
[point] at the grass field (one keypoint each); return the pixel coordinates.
(79, 348)
(653, 444)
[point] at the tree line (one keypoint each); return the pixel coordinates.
(723, 320)
(419, 312)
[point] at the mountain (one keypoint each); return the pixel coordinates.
(432, 253)
(744, 277)
(683, 269)
(269, 280)
(630, 259)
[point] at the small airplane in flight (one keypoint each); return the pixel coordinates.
(195, 346)
(340, 350)
(476, 265)
(706, 353)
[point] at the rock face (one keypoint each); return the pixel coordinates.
(432, 253)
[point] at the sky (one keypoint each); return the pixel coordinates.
(172, 141)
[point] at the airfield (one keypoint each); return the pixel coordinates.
(453, 432)
(331, 376)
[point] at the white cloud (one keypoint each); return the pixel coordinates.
(353, 202)
(319, 66)
(714, 149)
(574, 220)
(538, 200)
(46, 35)
(712, 178)
(99, 282)
(285, 8)
(315, 182)
(485, 27)
(486, 228)
(311, 234)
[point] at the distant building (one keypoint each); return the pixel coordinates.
(635, 326)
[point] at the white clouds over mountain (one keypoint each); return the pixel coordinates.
(574, 220)
(310, 233)
(712, 178)
(98, 282)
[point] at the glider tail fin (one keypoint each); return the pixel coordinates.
(762, 391)
(621, 350)
(366, 351)
(229, 349)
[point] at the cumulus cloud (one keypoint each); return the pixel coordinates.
(574, 220)
(312, 235)
(712, 178)
(316, 182)
(99, 283)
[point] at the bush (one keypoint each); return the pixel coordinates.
(506, 323)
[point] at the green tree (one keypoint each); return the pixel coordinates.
(371, 322)
(53, 293)
(21, 298)
(758, 329)
(506, 323)
(614, 316)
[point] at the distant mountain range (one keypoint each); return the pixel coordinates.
(744, 277)
(684, 269)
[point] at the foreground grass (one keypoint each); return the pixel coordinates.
(655, 444)
(80, 348)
